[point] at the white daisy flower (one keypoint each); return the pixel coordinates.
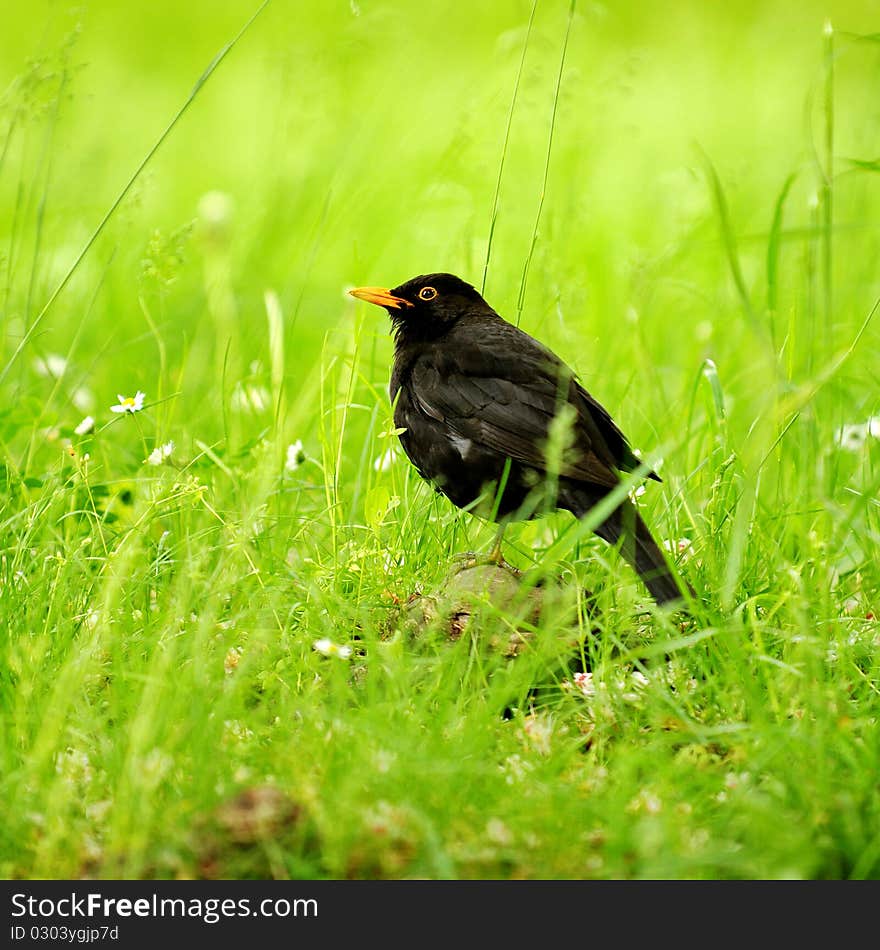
(129, 403)
(326, 647)
(584, 682)
(852, 436)
(52, 364)
(250, 398)
(295, 456)
(680, 546)
(86, 426)
(160, 454)
(638, 679)
(83, 398)
(636, 493)
(384, 461)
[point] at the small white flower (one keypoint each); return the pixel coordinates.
(326, 647)
(160, 454)
(295, 456)
(52, 364)
(381, 463)
(215, 209)
(73, 765)
(637, 492)
(538, 731)
(638, 679)
(86, 426)
(657, 463)
(680, 547)
(852, 436)
(516, 768)
(584, 682)
(129, 403)
(250, 398)
(83, 398)
(497, 832)
(646, 801)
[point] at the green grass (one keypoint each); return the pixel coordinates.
(700, 242)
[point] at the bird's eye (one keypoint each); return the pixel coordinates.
(427, 293)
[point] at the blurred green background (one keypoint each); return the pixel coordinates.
(703, 258)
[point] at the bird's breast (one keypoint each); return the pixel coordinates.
(461, 445)
(462, 469)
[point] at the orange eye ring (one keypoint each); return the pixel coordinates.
(427, 293)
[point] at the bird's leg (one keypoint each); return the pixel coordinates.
(495, 555)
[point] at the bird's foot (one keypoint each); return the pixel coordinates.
(496, 557)
(470, 559)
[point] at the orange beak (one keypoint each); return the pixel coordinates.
(380, 297)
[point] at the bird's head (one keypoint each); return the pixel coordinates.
(426, 306)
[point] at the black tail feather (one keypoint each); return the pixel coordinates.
(625, 525)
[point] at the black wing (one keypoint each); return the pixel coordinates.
(616, 441)
(502, 389)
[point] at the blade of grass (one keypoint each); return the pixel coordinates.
(862, 164)
(534, 241)
(496, 199)
(275, 320)
(828, 183)
(729, 238)
(773, 249)
(858, 37)
(710, 373)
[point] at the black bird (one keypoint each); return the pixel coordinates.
(476, 398)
